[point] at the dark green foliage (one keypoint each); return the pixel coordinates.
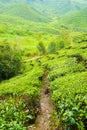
(61, 44)
(52, 47)
(10, 61)
(20, 100)
(41, 48)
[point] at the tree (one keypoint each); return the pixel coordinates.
(52, 47)
(61, 44)
(10, 61)
(41, 48)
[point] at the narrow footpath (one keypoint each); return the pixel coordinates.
(43, 121)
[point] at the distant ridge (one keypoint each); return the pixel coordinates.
(24, 11)
(51, 7)
(77, 19)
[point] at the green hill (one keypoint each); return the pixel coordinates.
(51, 8)
(55, 8)
(23, 11)
(77, 19)
(22, 26)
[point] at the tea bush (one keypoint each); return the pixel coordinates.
(69, 88)
(70, 96)
(64, 67)
(13, 115)
(21, 110)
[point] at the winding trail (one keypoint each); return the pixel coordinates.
(32, 59)
(43, 120)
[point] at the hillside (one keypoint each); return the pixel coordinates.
(56, 8)
(52, 8)
(59, 81)
(77, 19)
(23, 27)
(43, 64)
(23, 11)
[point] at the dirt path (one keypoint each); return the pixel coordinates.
(43, 120)
(32, 59)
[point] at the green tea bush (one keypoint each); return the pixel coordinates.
(17, 113)
(22, 109)
(69, 93)
(64, 67)
(25, 84)
(13, 115)
(67, 75)
(10, 61)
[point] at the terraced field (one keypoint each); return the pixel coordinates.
(43, 65)
(21, 98)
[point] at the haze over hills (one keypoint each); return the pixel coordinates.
(57, 7)
(23, 11)
(62, 11)
(78, 19)
(51, 7)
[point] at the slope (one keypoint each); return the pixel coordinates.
(52, 8)
(22, 26)
(77, 19)
(57, 7)
(24, 11)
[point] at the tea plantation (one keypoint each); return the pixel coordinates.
(19, 99)
(67, 74)
(68, 82)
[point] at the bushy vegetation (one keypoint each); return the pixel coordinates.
(13, 114)
(10, 61)
(20, 98)
(67, 75)
(70, 100)
(64, 56)
(41, 48)
(52, 47)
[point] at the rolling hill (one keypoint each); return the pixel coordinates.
(24, 11)
(55, 8)
(51, 8)
(77, 19)
(22, 26)
(37, 14)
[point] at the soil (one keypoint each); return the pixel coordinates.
(43, 121)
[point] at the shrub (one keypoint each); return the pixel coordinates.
(41, 48)
(61, 44)
(52, 47)
(12, 115)
(10, 61)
